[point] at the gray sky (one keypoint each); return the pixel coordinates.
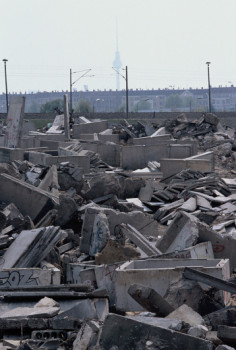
(163, 42)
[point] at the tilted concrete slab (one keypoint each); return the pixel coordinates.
(29, 199)
(14, 121)
(126, 333)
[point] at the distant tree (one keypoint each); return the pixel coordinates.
(49, 107)
(142, 105)
(83, 106)
(174, 101)
(121, 109)
(34, 107)
(190, 102)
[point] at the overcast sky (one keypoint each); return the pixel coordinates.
(163, 42)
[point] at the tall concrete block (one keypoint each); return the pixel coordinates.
(14, 121)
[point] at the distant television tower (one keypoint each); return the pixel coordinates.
(117, 64)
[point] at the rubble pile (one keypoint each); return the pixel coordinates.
(209, 133)
(97, 256)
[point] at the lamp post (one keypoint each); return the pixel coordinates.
(73, 82)
(209, 85)
(98, 99)
(5, 68)
(147, 99)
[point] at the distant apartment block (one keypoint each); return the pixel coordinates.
(160, 100)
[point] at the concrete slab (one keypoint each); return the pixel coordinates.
(125, 333)
(15, 118)
(36, 201)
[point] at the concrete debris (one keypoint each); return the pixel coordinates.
(188, 315)
(99, 221)
(150, 300)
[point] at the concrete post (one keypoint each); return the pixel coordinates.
(66, 119)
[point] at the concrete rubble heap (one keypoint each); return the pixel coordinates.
(96, 254)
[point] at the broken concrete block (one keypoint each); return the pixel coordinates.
(85, 338)
(145, 193)
(67, 208)
(190, 205)
(126, 333)
(50, 181)
(150, 300)
(138, 239)
(224, 347)
(185, 292)
(47, 302)
(225, 316)
(212, 336)
(176, 325)
(31, 312)
(142, 222)
(227, 334)
(28, 277)
(36, 202)
(105, 277)
(148, 272)
(31, 247)
(89, 128)
(188, 315)
(182, 233)
(198, 331)
(199, 251)
(223, 245)
(57, 125)
(100, 234)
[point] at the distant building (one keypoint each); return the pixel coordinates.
(223, 99)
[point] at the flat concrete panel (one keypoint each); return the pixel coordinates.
(180, 151)
(29, 199)
(14, 121)
(7, 155)
(89, 128)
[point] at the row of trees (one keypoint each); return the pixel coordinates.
(49, 107)
(84, 106)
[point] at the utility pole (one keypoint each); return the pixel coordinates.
(73, 82)
(127, 92)
(5, 68)
(126, 87)
(209, 85)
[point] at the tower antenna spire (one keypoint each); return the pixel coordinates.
(117, 64)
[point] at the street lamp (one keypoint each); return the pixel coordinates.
(147, 99)
(209, 85)
(98, 99)
(5, 68)
(73, 82)
(126, 88)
